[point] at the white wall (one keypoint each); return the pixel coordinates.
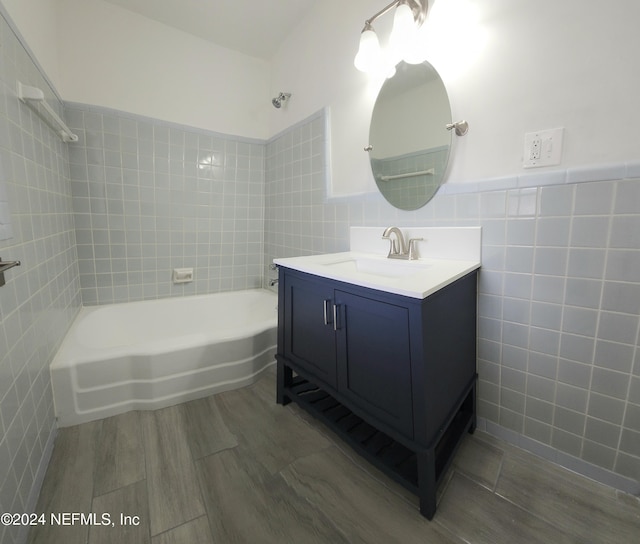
(510, 67)
(37, 22)
(315, 64)
(118, 59)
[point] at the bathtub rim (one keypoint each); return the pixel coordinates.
(69, 354)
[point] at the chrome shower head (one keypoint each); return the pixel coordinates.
(278, 100)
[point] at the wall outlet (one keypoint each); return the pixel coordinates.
(534, 152)
(543, 148)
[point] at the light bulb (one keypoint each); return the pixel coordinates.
(403, 19)
(368, 55)
(403, 34)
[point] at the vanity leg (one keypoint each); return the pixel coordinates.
(284, 378)
(427, 483)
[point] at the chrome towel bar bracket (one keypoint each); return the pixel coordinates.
(462, 127)
(4, 266)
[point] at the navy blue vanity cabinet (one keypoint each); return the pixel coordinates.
(394, 376)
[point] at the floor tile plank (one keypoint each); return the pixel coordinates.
(479, 516)
(206, 429)
(479, 460)
(193, 532)
(352, 455)
(247, 504)
(269, 432)
(68, 484)
(364, 509)
(236, 468)
(174, 496)
(127, 501)
(577, 505)
(120, 453)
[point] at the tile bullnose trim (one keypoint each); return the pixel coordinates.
(633, 169)
(459, 188)
(560, 458)
(480, 186)
(538, 179)
(581, 174)
(104, 110)
(597, 172)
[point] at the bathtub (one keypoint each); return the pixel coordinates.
(151, 354)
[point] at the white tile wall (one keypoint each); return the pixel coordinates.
(42, 296)
(150, 196)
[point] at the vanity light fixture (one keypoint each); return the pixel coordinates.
(408, 17)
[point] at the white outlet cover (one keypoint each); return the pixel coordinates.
(550, 148)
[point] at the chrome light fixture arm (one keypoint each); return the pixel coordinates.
(418, 7)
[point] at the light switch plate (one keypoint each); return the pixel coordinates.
(543, 148)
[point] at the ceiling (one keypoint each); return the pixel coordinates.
(253, 27)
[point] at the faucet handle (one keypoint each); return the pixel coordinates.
(412, 248)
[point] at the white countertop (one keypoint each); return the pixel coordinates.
(418, 278)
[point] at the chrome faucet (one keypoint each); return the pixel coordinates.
(398, 248)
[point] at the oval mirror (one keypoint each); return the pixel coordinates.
(409, 142)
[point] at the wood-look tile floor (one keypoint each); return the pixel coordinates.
(238, 468)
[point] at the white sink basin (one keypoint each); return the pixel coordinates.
(386, 268)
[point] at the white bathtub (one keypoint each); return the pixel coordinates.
(151, 354)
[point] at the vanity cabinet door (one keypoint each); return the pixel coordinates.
(374, 358)
(309, 339)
